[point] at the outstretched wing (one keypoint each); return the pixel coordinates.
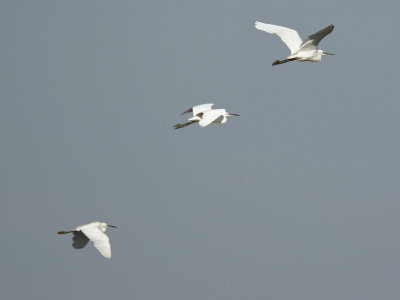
(318, 36)
(99, 239)
(79, 240)
(289, 36)
(199, 109)
(211, 116)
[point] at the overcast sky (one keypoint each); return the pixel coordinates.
(298, 198)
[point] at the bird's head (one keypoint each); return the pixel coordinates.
(103, 226)
(326, 53)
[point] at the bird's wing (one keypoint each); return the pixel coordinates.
(99, 239)
(187, 111)
(202, 108)
(211, 116)
(198, 109)
(79, 240)
(315, 38)
(289, 36)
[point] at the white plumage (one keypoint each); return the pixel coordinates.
(299, 49)
(95, 232)
(199, 109)
(213, 116)
(205, 115)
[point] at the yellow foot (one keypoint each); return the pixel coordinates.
(277, 62)
(177, 126)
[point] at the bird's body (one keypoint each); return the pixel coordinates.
(205, 115)
(95, 232)
(299, 50)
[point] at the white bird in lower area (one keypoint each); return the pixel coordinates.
(95, 232)
(299, 50)
(205, 115)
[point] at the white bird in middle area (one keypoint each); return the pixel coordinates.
(95, 232)
(205, 115)
(299, 50)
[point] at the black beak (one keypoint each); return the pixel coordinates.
(235, 115)
(112, 226)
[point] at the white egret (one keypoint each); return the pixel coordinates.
(299, 50)
(95, 232)
(205, 115)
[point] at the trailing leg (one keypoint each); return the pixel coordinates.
(177, 126)
(279, 62)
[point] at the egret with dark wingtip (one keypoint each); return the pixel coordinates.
(205, 115)
(95, 232)
(299, 50)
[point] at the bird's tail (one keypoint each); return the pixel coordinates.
(177, 126)
(279, 62)
(64, 232)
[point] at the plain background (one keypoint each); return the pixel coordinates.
(298, 198)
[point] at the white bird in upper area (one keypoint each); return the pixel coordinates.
(95, 232)
(205, 115)
(299, 50)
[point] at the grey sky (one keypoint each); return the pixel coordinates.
(298, 198)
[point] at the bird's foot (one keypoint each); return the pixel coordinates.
(277, 62)
(177, 126)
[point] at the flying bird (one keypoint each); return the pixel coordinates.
(95, 232)
(205, 115)
(299, 50)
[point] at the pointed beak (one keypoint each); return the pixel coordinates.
(112, 226)
(328, 53)
(234, 115)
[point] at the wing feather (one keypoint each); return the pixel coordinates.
(198, 109)
(318, 36)
(201, 108)
(99, 239)
(211, 116)
(79, 240)
(289, 36)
